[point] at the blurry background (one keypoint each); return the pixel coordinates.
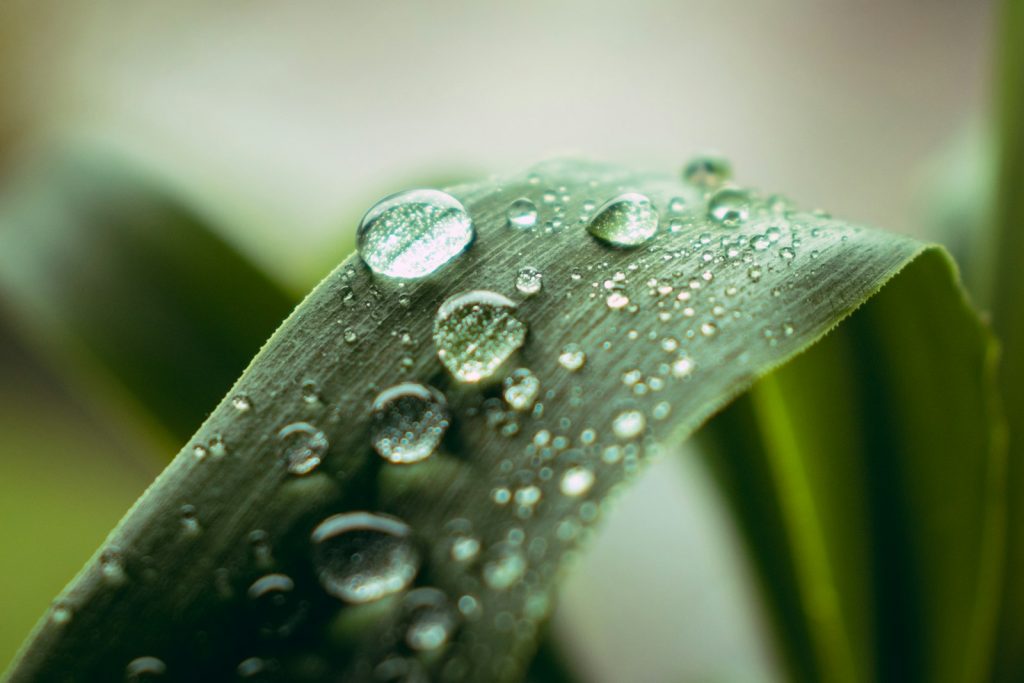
(268, 128)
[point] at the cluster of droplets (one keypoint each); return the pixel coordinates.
(364, 556)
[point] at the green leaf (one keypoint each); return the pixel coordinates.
(868, 477)
(689, 339)
(1007, 306)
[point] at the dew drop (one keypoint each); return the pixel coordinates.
(475, 332)
(629, 424)
(361, 557)
(504, 566)
(304, 448)
(144, 669)
(576, 481)
(529, 280)
(522, 213)
(241, 403)
(521, 389)
(572, 357)
(273, 603)
(464, 548)
(707, 171)
(729, 206)
(709, 329)
(429, 617)
(409, 421)
(411, 234)
(627, 220)
(112, 567)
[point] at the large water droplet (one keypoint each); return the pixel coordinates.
(411, 234)
(504, 566)
(729, 206)
(430, 619)
(707, 171)
(409, 421)
(304, 448)
(627, 220)
(475, 332)
(522, 213)
(361, 557)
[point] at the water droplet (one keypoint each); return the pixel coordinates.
(521, 389)
(576, 481)
(627, 220)
(682, 367)
(572, 357)
(522, 213)
(61, 613)
(475, 332)
(362, 557)
(310, 392)
(707, 171)
(112, 567)
(274, 605)
(189, 522)
(411, 234)
(504, 566)
(754, 273)
(616, 300)
(787, 253)
(144, 669)
(529, 280)
(242, 403)
(709, 329)
(305, 446)
(629, 424)
(464, 548)
(429, 617)
(729, 206)
(409, 421)
(677, 205)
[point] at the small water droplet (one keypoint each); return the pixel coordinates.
(241, 403)
(707, 171)
(754, 273)
(627, 220)
(362, 557)
(429, 617)
(504, 565)
(521, 389)
(61, 613)
(572, 357)
(411, 234)
(529, 280)
(787, 253)
(350, 336)
(616, 300)
(475, 332)
(729, 206)
(629, 424)
(464, 548)
(409, 421)
(274, 605)
(522, 213)
(576, 481)
(682, 367)
(144, 669)
(112, 567)
(709, 329)
(305, 446)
